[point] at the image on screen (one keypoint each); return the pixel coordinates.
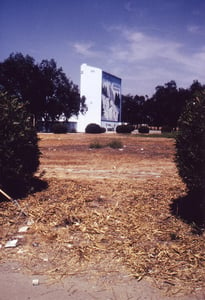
(111, 98)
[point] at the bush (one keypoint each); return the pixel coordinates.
(96, 145)
(124, 128)
(59, 128)
(103, 130)
(115, 144)
(19, 152)
(166, 128)
(94, 128)
(143, 129)
(190, 146)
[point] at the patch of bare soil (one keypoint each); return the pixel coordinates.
(107, 211)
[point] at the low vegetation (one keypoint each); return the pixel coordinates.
(143, 129)
(190, 155)
(19, 152)
(124, 128)
(115, 144)
(96, 145)
(94, 128)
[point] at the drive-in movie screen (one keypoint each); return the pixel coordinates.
(111, 98)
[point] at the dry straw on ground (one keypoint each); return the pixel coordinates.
(75, 227)
(79, 226)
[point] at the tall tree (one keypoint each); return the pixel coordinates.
(61, 94)
(196, 87)
(44, 87)
(133, 109)
(20, 76)
(166, 104)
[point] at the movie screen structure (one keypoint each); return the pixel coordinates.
(111, 98)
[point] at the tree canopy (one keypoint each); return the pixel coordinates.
(44, 87)
(19, 152)
(48, 93)
(162, 109)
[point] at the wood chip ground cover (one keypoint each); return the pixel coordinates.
(106, 210)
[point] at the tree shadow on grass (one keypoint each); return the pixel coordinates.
(18, 189)
(190, 209)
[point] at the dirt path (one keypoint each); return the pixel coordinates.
(18, 286)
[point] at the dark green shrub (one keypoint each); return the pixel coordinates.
(103, 129)
(115, 144)
(166, 129)
(19, 152)
(59, 128)
(124, 128)
(96, 145)
(190, 146)
(94, 128)
(143, 129)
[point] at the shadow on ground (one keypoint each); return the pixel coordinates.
(190, 209)
(19, 189)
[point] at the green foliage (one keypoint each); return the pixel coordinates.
(143, 129)
(94, 128)
(124, 128)
(45, 87)
(59, 128)
(190, 154)
(164, 107)
(19, 152)
(96, 145)
(115, 144)
(190, 144)
(167, 103)
(133, 109)
(166, 128)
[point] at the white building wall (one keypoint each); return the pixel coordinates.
(91, 88)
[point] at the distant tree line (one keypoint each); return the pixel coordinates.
(163, 108)
(48, 94)
(43, 87)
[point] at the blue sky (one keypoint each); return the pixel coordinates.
(144, 42)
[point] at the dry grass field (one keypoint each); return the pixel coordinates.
(107, 211)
